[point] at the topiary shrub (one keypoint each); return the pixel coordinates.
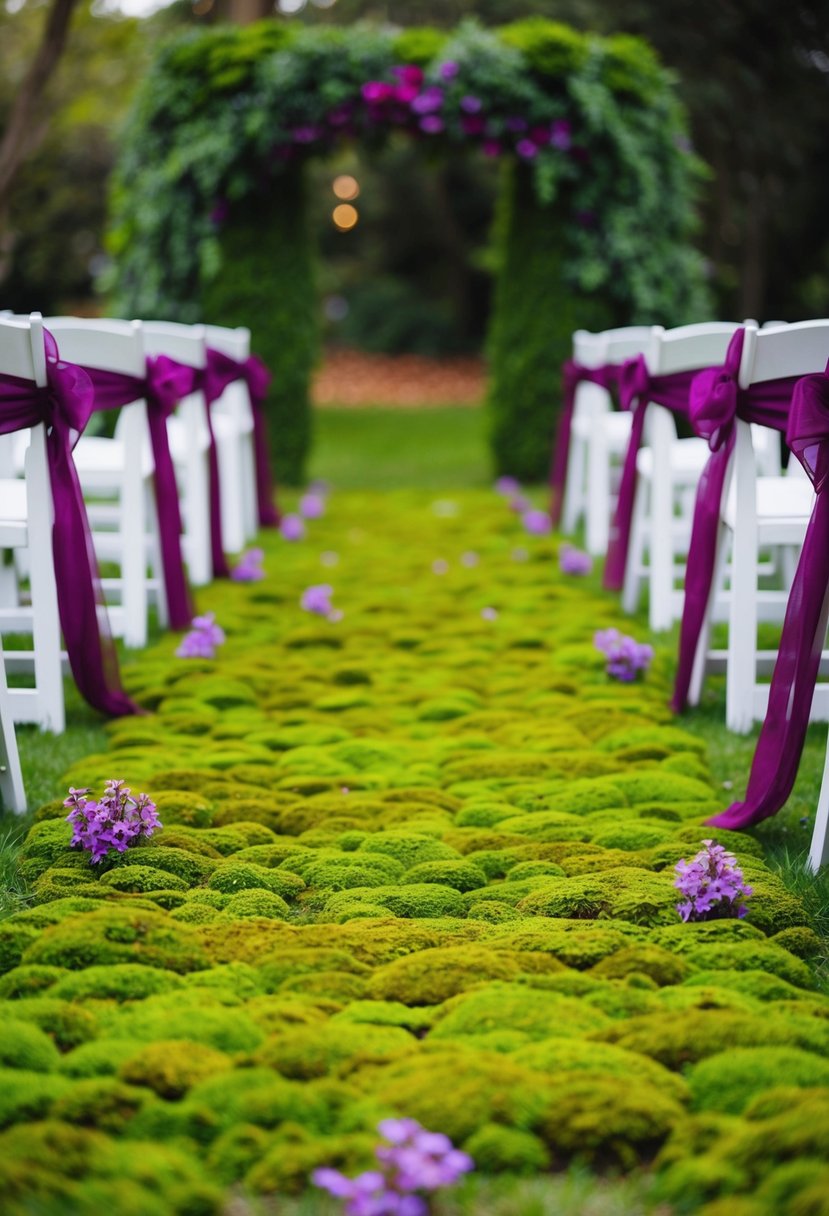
(415, 900)
(496, 1150)
(103, 1103)
(119, 935)
(303, 1054)
(461, 875)
(27, 1095)
(233, 877)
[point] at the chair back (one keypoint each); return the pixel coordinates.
(185, 343)
(626, 343)
(688, 347)
(22, 352)
(775, 352)
(113, 346)
(233, 342)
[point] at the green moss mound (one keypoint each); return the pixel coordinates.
(416, 863)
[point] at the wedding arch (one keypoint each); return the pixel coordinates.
(593, 223)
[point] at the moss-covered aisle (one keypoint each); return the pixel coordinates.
(416, 860)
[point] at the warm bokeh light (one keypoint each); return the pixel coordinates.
(202, 7)
(345, 216)
(345, 186)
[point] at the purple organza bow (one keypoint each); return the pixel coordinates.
(780, 744)
(165, 384)
(716, 401)
(64, 406)
(572, 375)
(637, 387)
(221, 371)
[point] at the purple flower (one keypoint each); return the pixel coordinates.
(507, 486)
(625, 656)
(491, 147)
(249, 567)
(713, 885)
(292, 528)
(317, 599)
(448, 70)
(377, 91)
(489, 614)
(586, 218)
(561, 134)
(537, 523)
(202, 640)
(312, 506)
(431, 124)
(526, 149)
(516, 125)
(114, 821)
(469, 559)
(471, 105)
(429, 100)
(573, 561)
(413, 1163)
(409, 74)
(540, 136)
(440, 566)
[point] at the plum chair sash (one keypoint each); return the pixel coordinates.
(800, 406)
(64, 406)
(222, 370)
(637, 387)
(165, 384)
(572, 375)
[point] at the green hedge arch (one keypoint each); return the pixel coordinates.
(593, 227)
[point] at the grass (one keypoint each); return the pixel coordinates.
(385, 449)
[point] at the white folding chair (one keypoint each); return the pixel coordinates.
(11, 778)
(26, 513)
(668, 470)
(758, 512)
(117, 477)
(233, 427)
(189, 443)
(599, 436)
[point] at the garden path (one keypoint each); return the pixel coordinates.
(417, 859)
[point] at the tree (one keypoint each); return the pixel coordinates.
(25, 126)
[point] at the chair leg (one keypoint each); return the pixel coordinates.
(661, 549)
(597, 493)
(230, 476)
(11, 779)
(46, 636)
(819, 850)
(249, 487)
(574, 491)
(133, 562)
(636, 550)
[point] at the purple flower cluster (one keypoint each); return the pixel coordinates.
(202, 640)
(317, 599)
(114, 821)
(625, 656)
(713, 885)
(573, 561)
(413, 1163)
(412, 101)
(249, 567)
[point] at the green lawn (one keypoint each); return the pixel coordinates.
(386, 449)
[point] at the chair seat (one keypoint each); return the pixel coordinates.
(615, 427)
(781, 502)
(688, 459)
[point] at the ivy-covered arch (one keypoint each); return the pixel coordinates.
(593, 222)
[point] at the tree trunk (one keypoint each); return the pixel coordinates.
(23, 132)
